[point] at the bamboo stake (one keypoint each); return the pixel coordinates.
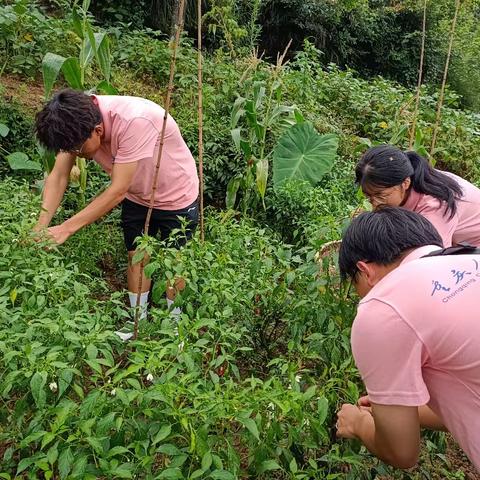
(200, 116)
(444, 81)
(178, 31)
(420, 77)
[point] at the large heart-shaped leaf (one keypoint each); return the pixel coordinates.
(302, 153)
(20, 161)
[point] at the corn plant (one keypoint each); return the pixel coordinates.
(93, 45)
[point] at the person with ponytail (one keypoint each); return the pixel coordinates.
(390, 176)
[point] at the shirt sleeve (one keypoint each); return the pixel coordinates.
(389, 356)
(441, 220)
(137, 142)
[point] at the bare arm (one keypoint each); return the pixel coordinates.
(428, 419)
(122, 176)
(390, 432)
(55, 186)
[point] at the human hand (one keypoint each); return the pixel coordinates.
(364, 401)
(39, 233)
(348, 417)
(59, 234)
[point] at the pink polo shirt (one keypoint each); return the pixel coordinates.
(464, 226)
(132, 133)
(416, 341)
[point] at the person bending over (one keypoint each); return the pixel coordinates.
(389, 176)
(121, 134)
(415, 338)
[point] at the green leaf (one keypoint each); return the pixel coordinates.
(268, 465)
(168, 449)
(96, 444)
(52, 454)
(251, 426)
(172, 473)
(232, 190)
(236, 134)
(322, 410)
(88, 51)
(262, 176)
(3, 130)
(293, 466)
(24, 464)
(64, 381)
(92, 351)
(94, 365)
(163, 433)
(222, 475)
(102, 53)
(37, 384)
(77, 23)
(118, 450)
(65, 462)
(20, 161)
(310, 392)
(107, 88)
(207, 461)
(301, 153)
(31, 438)
(71, 72)
(51, 66)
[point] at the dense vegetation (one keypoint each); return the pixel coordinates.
(250, 385)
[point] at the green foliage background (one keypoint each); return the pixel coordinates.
(250, 385)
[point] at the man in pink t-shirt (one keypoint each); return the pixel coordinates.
(122, 134)
(415, 339)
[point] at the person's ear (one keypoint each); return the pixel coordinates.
(406, 183)
(99, 129)
(368, 271)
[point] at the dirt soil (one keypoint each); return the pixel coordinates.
(29, 93)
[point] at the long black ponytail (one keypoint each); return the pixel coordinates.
(387, 166)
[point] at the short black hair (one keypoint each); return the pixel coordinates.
(382, 236)
(67, 120)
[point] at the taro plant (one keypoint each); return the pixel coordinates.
(301, 153)
(261, 114)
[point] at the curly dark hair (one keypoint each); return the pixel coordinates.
(67, 120)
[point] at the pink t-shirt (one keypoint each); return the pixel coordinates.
(416, 341)
(132, 134)
(464, 226)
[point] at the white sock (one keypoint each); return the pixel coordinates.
(143, 303)
(176, 312)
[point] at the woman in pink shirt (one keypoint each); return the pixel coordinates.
(389, 176)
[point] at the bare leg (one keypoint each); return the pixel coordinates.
(133, 272)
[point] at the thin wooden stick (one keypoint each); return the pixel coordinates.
(420, 77)
(179, 29)
(444, 82)
(200, 116)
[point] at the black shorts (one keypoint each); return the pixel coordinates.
(133, 222)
